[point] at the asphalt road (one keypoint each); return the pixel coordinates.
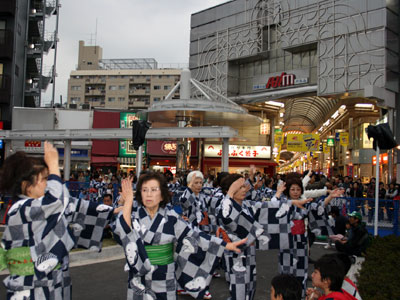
(107, 281)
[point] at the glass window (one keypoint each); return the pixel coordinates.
(75, 100)
(75, 87)
(121, 99)
(112, 87)
(167, 87)
(157, 87)
(111, 99)
(121, 87)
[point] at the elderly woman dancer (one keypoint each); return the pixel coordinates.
(43, 225)
(152, 232)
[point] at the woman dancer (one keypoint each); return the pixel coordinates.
(149, 235)
(43, 224)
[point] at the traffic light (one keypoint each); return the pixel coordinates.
(382, 135)
(139, 129)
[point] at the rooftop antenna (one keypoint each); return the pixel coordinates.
(95, 38)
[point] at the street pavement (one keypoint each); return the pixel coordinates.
(108, 281)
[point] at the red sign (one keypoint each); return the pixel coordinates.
(382, 157)
(280, 81)
(33, 144)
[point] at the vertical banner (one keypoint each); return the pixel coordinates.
(278, 139)
(344, 138)
(326, 148)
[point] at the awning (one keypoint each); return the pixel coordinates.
(103, 160)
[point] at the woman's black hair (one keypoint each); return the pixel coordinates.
(17, 169)
(165, 195)
(291, 179)
(333, 269)
(228, 180)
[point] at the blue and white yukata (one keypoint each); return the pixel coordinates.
(293, 257)
(195, 208)
(48, 228)
(257, 221)
(194, 257)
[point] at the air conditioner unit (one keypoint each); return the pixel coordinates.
(73, 106)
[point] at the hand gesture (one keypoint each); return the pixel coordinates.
(51, 158)
(281, 187)
(235, 186)
(127, 191)
(234, 245)
(337, 193)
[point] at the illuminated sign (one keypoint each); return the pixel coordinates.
(169, 147)
(33, 144)
(330, 142)
(126, 146)
(382, 158)
(238, 151)
(265, 128)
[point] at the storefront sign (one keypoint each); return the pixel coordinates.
(265, 128)
(238, 151)
(294, 142)
(74, 152)
(126, 147)
(33, 144)
(169, 147)
(344, 138)
(330, 142)
(383, 158)
(279, 80)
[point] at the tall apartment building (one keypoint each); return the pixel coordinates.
(24, 41)
(117, 83)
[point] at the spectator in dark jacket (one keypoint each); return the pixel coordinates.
(358, 237)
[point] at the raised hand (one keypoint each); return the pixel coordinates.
(51, 158)
(235, 186)
(234, 245)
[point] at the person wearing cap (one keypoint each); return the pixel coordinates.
(358, 236)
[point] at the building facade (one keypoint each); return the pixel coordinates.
(117, 83)
(330, 66)
(24, 41)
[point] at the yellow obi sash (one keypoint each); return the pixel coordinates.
(160, 255)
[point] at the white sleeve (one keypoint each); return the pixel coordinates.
(315, 193)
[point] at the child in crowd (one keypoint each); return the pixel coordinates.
(285, 287)
(328, 276)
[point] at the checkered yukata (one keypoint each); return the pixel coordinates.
(257, 221)
(51, 226)
(196, 255)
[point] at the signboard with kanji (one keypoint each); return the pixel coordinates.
(238, 151)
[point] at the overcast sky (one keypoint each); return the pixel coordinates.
(157, 29)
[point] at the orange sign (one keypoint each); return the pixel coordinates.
(383, 158)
